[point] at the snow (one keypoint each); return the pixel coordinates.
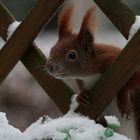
(73, 106)
(76, 127)
(8, 132)
(135, 27)
(12, 27)
(112, 120)
(68, 128)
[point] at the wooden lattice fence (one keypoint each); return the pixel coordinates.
(20, 46)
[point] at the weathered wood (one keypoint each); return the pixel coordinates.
(34, 60)
(23, 37)
(120, 15)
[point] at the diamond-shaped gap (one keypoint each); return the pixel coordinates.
(23, 100)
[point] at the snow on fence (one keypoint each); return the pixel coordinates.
(34, 60)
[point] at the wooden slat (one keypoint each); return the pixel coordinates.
(114, 78)
(124, 66)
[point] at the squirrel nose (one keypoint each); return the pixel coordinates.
(50, 67)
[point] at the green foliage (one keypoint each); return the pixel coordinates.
(109, 132)
(66, 131)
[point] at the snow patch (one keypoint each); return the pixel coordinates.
(112, 120)
(69, 128)
(8, 132)
(135, 27)
(12, 27)
(63, 128)
(73, 106)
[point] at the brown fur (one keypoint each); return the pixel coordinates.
(64, 21)
(91, 58)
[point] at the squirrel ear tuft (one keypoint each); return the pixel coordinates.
(64, 21)
(85, 36)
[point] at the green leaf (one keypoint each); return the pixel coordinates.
(109, 132)
(113, 125)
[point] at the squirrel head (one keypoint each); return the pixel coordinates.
(73, 51)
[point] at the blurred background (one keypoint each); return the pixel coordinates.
(21, 97)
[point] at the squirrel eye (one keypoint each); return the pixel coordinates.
(72, 55)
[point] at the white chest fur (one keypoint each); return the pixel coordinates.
(89, 82)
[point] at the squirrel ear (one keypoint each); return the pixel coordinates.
(85, 36)
(64, 21)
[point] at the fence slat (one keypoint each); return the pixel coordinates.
(34, 60)
(124, 66)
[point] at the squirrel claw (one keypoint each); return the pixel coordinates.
(84, 99)
(126, 114)
(125, 110)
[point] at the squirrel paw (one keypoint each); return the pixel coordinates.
(125, 109)
(84, 99)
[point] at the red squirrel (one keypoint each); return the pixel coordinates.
(77, 56)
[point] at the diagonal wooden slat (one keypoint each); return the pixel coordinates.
(23, 37)
(34, 60)
(114, 78)
(124, 66)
